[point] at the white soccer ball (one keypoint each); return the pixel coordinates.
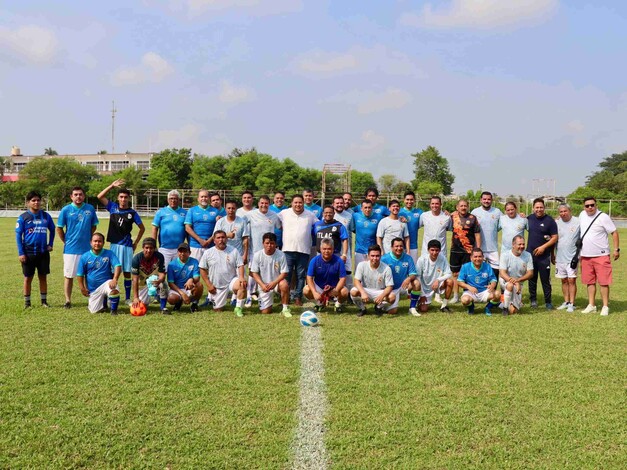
(309, 318)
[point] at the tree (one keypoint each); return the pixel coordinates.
(102, 152)
(170, 168)
(360, 181)
(50, 151)
(54, 178)
(430, 166)
(133, 180)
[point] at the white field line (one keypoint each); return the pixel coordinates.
(309, 451)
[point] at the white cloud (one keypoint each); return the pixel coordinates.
(152, 68)
(481, 14)
(368, 102)
(252, 7)
(30, 44)
(369, 141)
(357, 59)
(191, 136)
(232, 94)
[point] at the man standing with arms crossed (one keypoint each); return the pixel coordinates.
(568, 234)
(75, 226)
(595, 253)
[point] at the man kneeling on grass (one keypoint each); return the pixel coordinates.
(515, 267)
(269, 270)
(479, 283)
(326, 278)
(435, 278)
(148, 270)
(403, 273)
(184, 280)
(373, 282)
(97, 273)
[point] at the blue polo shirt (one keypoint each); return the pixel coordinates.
(326, 273)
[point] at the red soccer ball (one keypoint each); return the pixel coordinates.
(139, 310)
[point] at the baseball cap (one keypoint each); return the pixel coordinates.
(183, 246)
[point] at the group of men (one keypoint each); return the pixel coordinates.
(307, 250)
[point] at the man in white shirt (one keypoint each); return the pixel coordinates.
(567, 236)
(373, 282)
(595, 253)
(515, 267)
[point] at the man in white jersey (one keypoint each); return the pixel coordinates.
(222, 270)
(236, 229)
(373, 282)
(567, 236)
(515, 267)
(392, 227)
(595, 253)
(489, 218)
(434, 274)
(435, 223)
(269, 270)
(510, 225)
(248, 200)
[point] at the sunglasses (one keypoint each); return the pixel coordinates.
(589, 205)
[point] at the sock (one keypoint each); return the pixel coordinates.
(358, 302)
(127, 288)
(444, 302)
(44, 297)
(285, 306)
(414, 297)
(507, 299)
(104, 304)
(239, 303)
(492, 304)
(27, 299)
(163, 302)
(115, 301)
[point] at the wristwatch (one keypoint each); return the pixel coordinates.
(617, 250)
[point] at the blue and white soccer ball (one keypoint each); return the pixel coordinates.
(309, 318)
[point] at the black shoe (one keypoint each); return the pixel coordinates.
(177, 306)
(193, 307)
(165, 311)
(44, 304)
(362, 312)
(445, 309)
(114, 312)
(378, 310)
(67, 305)
(318, 308)
(27, 305)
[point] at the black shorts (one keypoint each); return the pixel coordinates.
(40, 262)
(457, 260)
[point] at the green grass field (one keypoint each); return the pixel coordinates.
(539, 390)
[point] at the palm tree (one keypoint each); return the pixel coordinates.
(50, 151)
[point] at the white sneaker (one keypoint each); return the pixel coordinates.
(605, 311)
(590, 309)
(248, 303)
(414, 312)
(564, 306)
(438, 298)
(571, 308)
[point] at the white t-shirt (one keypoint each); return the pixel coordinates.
(489, 223)
(388, 229)
(370, 278)
(568, 234)
(435, 229)
(596, 242)
(269, 267)
(428, 271)
(516, 266)
(221, 265)
(297, 230)
(260, 224)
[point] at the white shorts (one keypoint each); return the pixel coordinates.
(516, 298)
(125, 255)
(188, 292)
(371, 293)
(482, 297)
(162, 292)
(428, 292)
(197, 252)
(397, 293)
(563, 270)
(219, 298)
(168, 255)
(359, 257)
(70, 265)
(266, 299)
(97, 297)
(414, 254)
(492, 258)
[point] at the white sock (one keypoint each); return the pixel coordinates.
(507, 299)
(358, 302)
(239, 303)
(444, 302)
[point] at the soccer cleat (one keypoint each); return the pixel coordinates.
(255, 297)
(165, 311)
(318, 308)
(44, 304)
(471, 309)
(445, 309)
(488, 312)
(193, 307)
(414, 312)
(248, 303)
(238, 312)
(571, 308)
(206, 303)
(233, 302)
(534, 304)
(27, 305)
(362, 312)
(67, 305)
(378, 310)
(590, 309)
(177, 306)
(338, 308)
(549, 306)
(564, 306)
(287, 313)
(605, 311)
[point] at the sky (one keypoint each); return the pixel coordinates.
(518, 96)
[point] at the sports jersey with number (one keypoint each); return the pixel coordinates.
(365, 232)
(221, 265)
(412, 216)
(31, 233)
(121, 224)
(202, 221)
(171, 223)
(179, 273)
(477, 278)
(144, 267)
(97, 268)
(77, 222)
(402, 267)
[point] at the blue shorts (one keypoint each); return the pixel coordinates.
(125, 255)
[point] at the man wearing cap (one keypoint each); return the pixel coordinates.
(184, 280)
(168, 227)
(149, 262)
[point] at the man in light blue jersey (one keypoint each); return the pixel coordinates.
(404, 276)
(515, 267)
(348, 202)
(433, 272)
(479, 283)
(489, 218)
(98, 273)
(411, 216)
(201, 220)
(568, 232)
(378, 210)
(511, 224)
(308, 197)
(77, 222)
(168, 227)
(183, 277)
(365, 226)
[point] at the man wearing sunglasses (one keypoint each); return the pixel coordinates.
(595, 253)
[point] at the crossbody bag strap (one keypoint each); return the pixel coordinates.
(584, 234)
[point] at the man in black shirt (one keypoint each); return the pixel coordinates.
(542, 237)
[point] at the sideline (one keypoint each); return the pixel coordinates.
(309, 450)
